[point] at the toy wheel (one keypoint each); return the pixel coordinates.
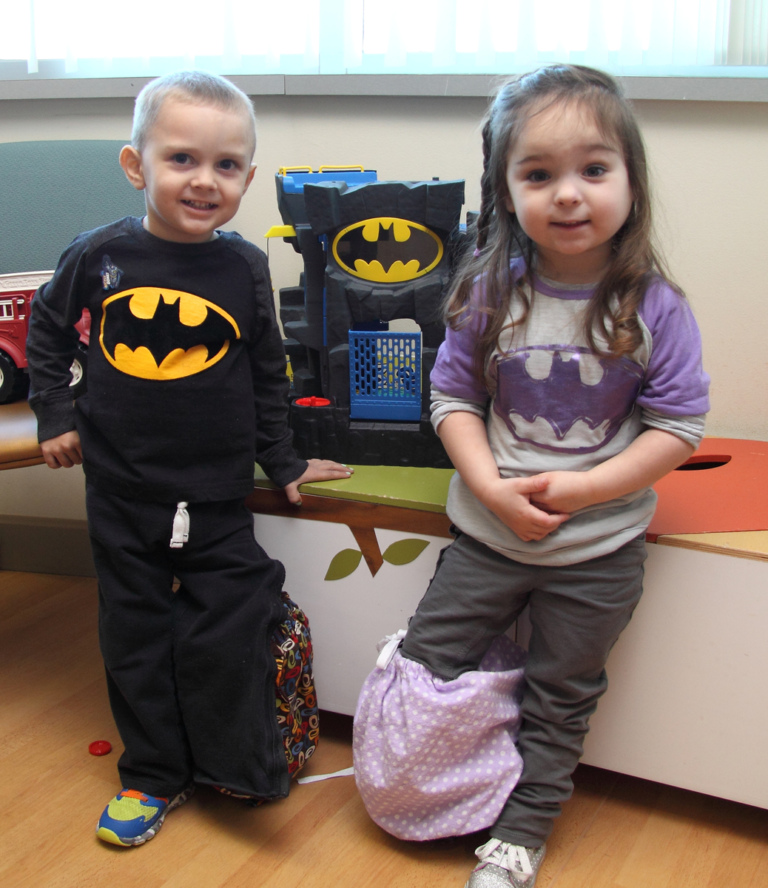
(9, 374)
(78, 371)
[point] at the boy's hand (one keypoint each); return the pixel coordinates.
(63, 451)
(317, 470)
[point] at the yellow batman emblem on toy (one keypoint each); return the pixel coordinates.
(160, 334)
(387, 250)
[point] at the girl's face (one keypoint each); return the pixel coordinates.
(569, 188)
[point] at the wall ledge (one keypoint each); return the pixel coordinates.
(702, 89)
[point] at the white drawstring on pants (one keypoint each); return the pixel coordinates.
(180, 526)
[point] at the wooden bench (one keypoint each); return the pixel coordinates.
(18, 436)
(687, 703)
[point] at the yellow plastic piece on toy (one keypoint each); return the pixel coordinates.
(284, 171)
(281, 231)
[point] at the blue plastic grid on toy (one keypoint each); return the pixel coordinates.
(385, 375)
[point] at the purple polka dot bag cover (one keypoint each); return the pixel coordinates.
(436, 758)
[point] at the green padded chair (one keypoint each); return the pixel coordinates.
(51, 191)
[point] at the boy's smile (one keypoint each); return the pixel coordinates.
(195, 168)
(569, 187)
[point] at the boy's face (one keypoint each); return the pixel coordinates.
(195, 168)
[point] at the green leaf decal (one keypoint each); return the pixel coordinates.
(404, 551)
(343, 564)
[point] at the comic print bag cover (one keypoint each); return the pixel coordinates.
(295, 697)
(297, 712)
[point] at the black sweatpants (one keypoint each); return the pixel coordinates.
(190, 673)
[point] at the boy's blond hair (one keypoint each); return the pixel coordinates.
(195, 87)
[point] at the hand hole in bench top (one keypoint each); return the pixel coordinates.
(703, 461)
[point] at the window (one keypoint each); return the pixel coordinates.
(103, 38)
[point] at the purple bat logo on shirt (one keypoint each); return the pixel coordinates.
(577, 408)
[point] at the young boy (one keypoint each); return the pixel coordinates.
(186, 390)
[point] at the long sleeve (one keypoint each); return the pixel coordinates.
(274, 438)
(51, 346)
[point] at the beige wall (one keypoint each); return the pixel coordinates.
(710, 171)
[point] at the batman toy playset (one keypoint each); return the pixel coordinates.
(376, 255)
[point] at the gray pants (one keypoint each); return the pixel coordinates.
(577, 612)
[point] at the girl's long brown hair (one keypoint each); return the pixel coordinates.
(611, 315)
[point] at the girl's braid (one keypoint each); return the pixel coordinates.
(486, 190)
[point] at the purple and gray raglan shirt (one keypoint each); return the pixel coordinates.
(557, 405)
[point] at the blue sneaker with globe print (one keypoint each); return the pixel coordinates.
(133, 817)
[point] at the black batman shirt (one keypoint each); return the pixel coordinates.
(186, 367)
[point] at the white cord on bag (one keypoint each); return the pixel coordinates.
(387, 648)
(345, 772)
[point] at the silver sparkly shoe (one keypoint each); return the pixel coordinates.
(503, 865)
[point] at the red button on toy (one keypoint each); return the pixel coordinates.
(312, 401)
(100, 747)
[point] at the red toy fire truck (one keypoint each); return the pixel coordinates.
(16, 292)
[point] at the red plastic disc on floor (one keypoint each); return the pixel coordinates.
(100, 747)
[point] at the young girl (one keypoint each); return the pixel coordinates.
(569, 382)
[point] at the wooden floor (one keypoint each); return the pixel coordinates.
(616, 832)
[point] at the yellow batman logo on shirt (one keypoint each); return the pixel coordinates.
(160, 334)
